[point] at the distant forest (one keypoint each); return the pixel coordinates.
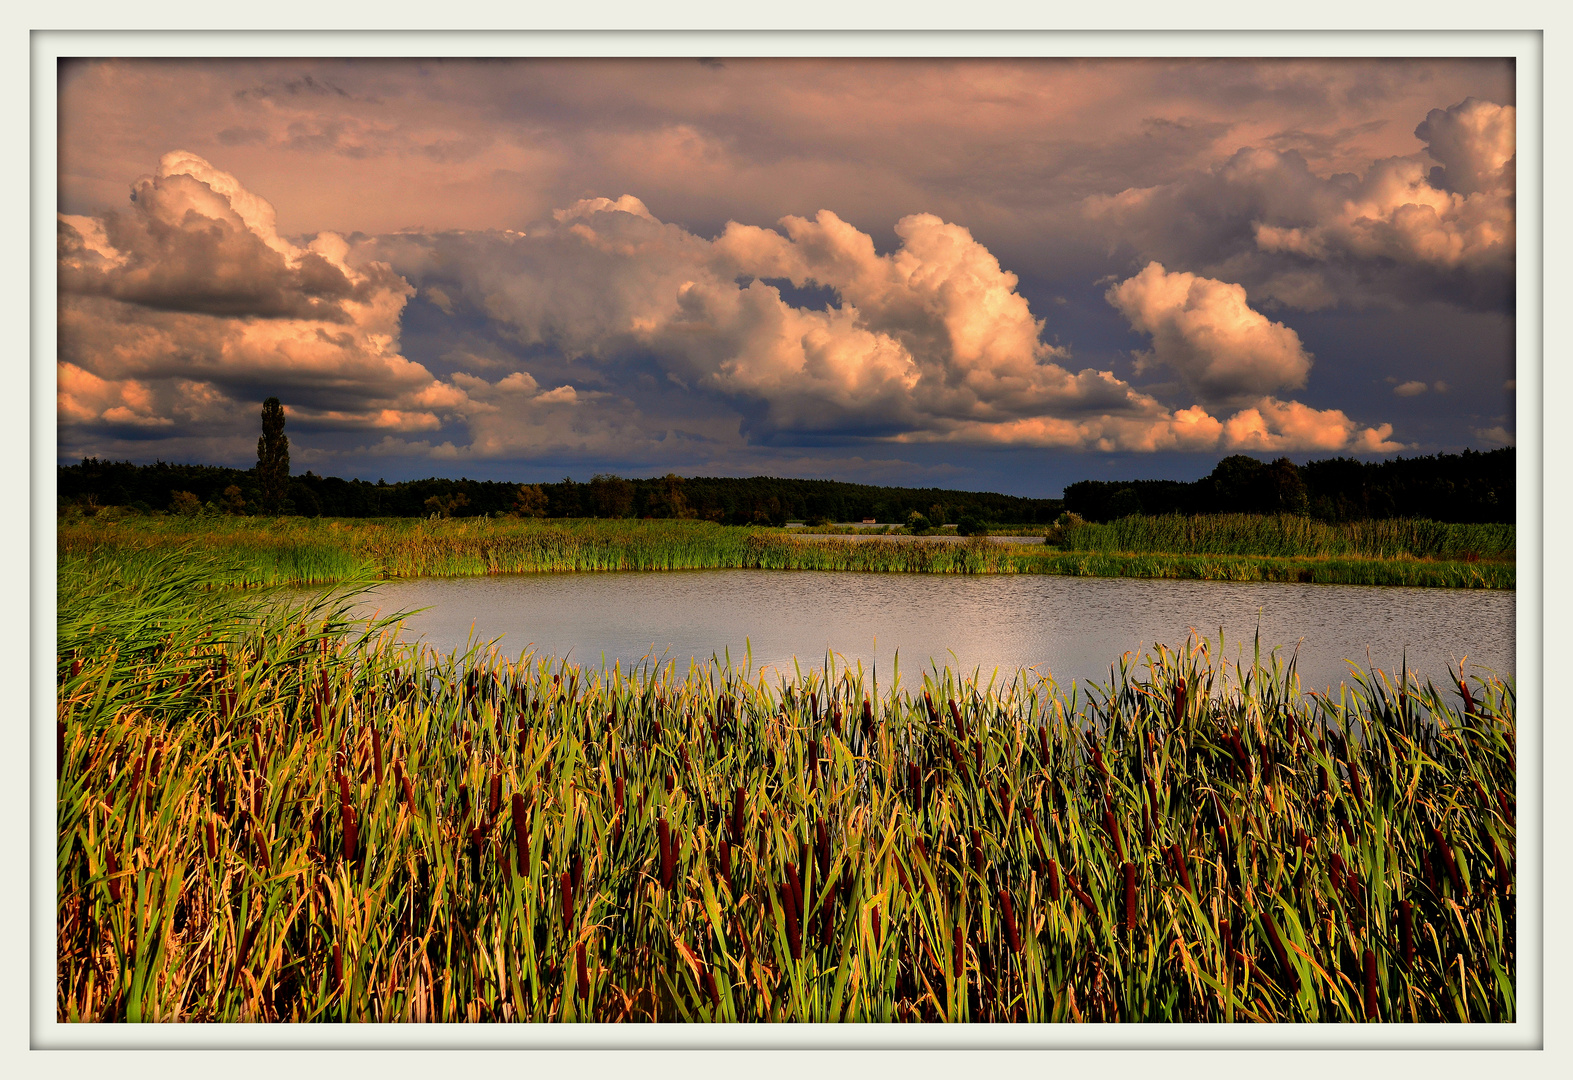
(1467, 487)
(761, 500)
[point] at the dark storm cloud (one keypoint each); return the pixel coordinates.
(1435, 224)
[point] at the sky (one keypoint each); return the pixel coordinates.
(982, 274)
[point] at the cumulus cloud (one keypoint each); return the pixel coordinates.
(1225, 352)
(1204, 331)
(185, 308)
(194, 240)
(1273, 425)
(1473, 143)
(930, 342)
(932, 333)
(181, 312)
(1437, 222)
(1410, 388)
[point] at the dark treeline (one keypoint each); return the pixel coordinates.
(757, 500)
(1467, 487)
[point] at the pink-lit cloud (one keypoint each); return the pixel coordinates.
(1438, 219)
(189, 305)
(930, 343)
(1205, 332)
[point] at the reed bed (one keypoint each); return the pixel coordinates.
(300, 551)
(280, 815)
(1289, 535)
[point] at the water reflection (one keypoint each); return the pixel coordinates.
(1073, 628)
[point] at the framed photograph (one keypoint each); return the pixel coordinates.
(888, 539)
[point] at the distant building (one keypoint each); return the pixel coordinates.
(868, 521)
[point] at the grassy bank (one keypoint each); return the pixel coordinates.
(1291, 536)
(312, 551)
(279, 817)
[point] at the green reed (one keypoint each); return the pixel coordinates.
(278, 814)
(300, 551)
(1288, 535)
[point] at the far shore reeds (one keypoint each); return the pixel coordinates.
(306, 551)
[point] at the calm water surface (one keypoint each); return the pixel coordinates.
(1072, 628)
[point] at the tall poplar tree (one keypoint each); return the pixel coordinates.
(272, 457)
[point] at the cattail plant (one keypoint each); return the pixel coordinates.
(927, 826)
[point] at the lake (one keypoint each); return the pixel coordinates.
(1072, 628)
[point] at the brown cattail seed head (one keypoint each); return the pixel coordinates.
(1372, 1003)
(1130, 896)
(668, 858)
(795, 883)
(565, 885)
(789, 908)
(583, 972)
(521, 833)
(1009, 911)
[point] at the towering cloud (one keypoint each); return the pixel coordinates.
(1438, 223)
(1205, 332)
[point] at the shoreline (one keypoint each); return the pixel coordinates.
(249, 552)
